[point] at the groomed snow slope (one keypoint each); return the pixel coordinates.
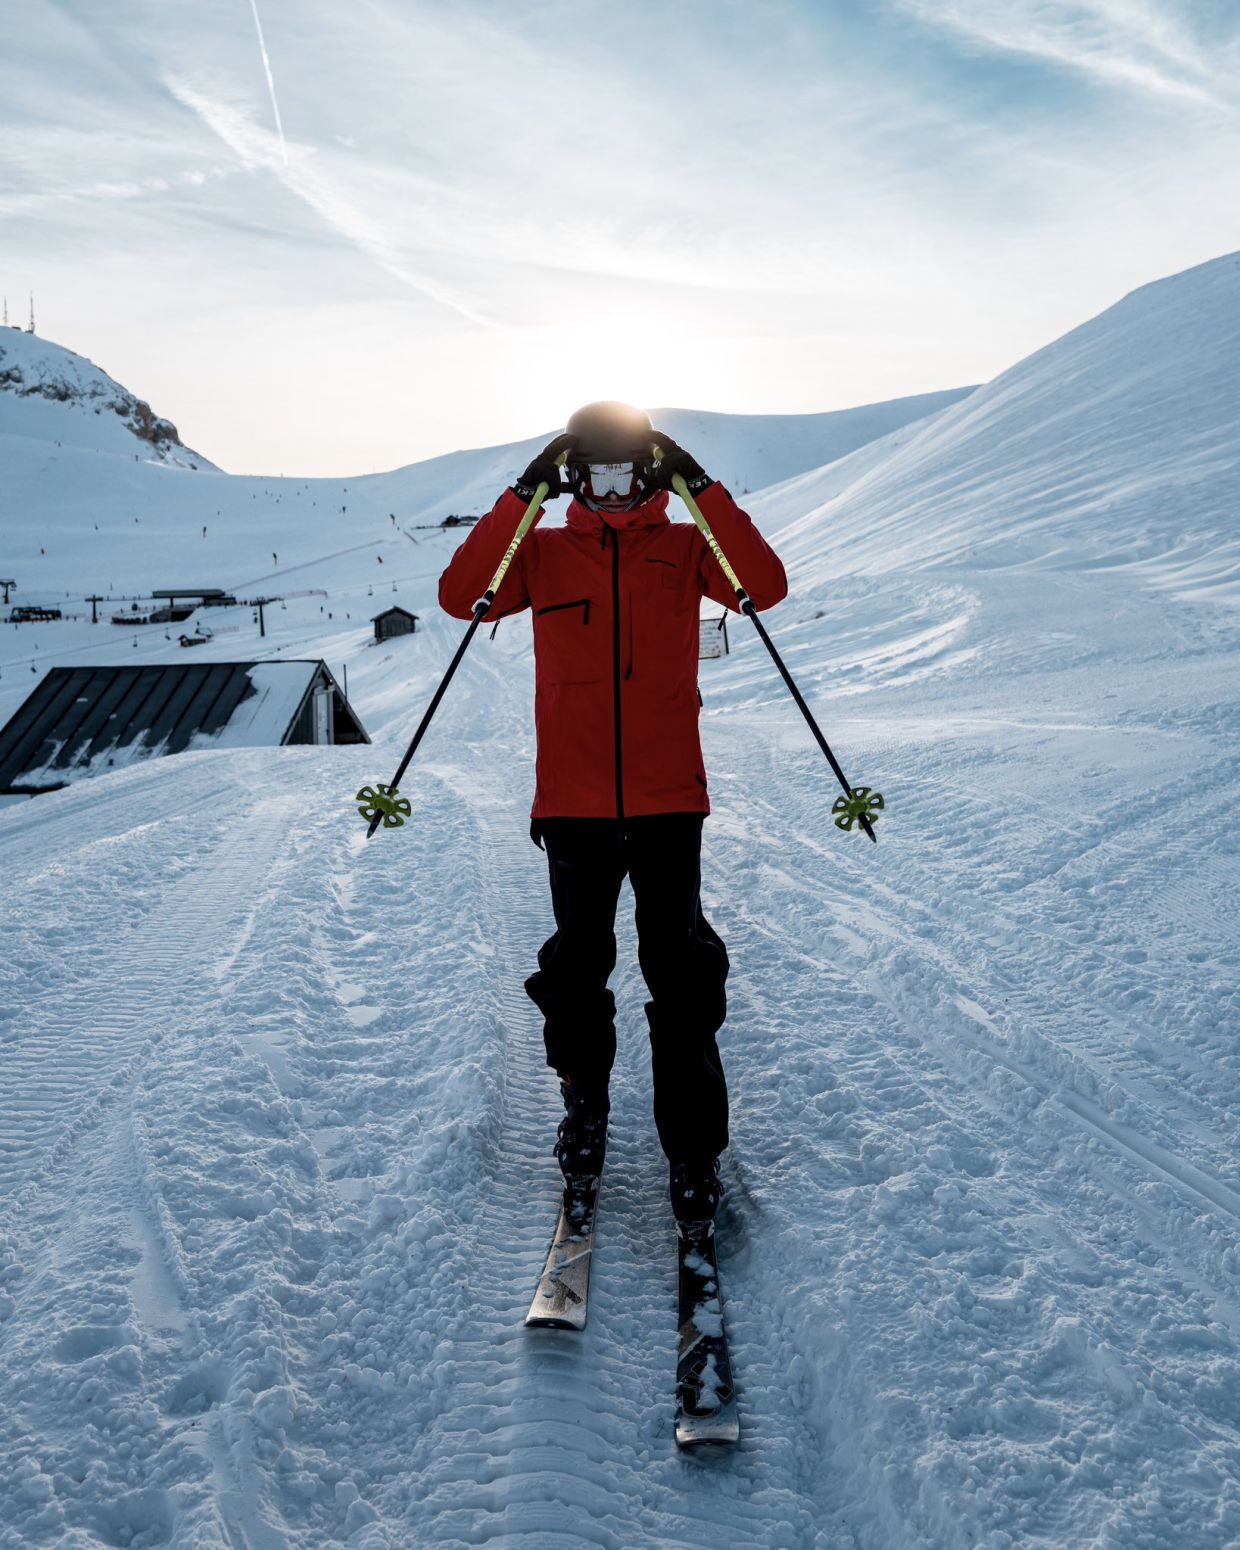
(274, 1132)
(87, 507)
(1116, 446)
(746, 451)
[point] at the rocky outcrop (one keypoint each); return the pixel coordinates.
(149, 426)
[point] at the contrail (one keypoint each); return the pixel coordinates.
(306, 179)
(271, 85)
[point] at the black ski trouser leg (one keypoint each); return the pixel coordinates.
(683, 961)
(685, 966)
(586, 862)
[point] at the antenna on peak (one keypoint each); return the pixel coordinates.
(6, 312)
(30, 330)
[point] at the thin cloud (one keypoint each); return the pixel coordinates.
(258, 150)
(136, 188)
(1120, 41)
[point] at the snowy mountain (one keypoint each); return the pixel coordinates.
(84, 508)
(746, 451)
(1117, 445)
(276, 1179)
(49, 394)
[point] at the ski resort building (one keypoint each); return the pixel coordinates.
(84, 721)
(195, 597)
(394, 621)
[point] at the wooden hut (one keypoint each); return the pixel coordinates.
(394, 621)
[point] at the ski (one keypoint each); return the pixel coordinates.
(706, 1413)
(562, 1298)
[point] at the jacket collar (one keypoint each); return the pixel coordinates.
(651, 513)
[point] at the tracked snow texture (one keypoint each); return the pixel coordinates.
(275, 1168)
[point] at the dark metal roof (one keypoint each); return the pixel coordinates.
(80, 714)
(388, 612)
(189, 592)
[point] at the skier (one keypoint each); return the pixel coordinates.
(620, 783)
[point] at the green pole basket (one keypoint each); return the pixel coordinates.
(383, 802)
(860, 804)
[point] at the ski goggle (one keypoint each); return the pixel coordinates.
(610, 479)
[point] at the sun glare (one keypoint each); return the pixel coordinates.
(644, 362)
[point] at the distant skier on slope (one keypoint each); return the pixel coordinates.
(621, 787)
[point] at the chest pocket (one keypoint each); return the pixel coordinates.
(567, 645)
(660, 573)
(661, 614)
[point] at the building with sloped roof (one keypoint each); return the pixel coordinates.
(394, 621)
(83, 721)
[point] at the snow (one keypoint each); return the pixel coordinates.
(263, 717)
(49, 394)
(275, 1171)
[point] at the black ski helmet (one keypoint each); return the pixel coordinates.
(611, 432)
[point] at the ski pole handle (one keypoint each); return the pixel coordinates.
(682, 489)
(526, 523)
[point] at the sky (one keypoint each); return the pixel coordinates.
(331, 239)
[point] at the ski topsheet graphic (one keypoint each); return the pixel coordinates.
(706, 1410)
(562, 1298)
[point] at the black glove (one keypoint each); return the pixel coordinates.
(545, 470)
(676, 460)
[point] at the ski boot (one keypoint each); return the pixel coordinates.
(581, 1141)
(696, 1190)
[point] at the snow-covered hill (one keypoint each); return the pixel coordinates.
(1117, 445)
(49, 394)
(746, 451)
(148, 516)
(275, 1131)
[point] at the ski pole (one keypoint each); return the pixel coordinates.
(384, 804)
(859, 804)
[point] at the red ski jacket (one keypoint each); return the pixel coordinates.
(616, 608)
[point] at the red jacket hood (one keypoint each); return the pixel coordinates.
(649, 514)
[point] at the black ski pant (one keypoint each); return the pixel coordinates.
(682, 960)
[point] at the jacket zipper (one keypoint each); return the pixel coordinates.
(615, 663)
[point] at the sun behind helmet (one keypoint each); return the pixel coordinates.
(611, 432)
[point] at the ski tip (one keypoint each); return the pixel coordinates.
(701, 1435)
(553, 1321)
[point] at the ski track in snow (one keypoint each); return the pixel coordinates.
(266, 1233)
(280, 1182)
